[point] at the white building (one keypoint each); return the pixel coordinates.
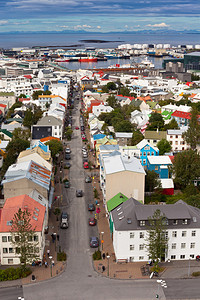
(97, 110)
(175, 138)
(129, 223)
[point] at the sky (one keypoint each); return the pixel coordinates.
(99, 15)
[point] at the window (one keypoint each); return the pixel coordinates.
(185, 221)
(11, 250)
(175, 222)
(183, 245)
(155, 141)
(30, 238)
(192, 245)
(37, 250)
(35, 238)
(17, 250)
(4, 239)
(148, 153)
(183, 233)
(131, 247)
(171, 136)
(141, 247)
(144, 153)
(132, 235)
(182, 256)
(144, 161)
(5, 250)
(173, 245)
(10, 261)
(191, 255)
(152, 153)
(174, 233)
(156, 168)
(9, 238)
(173, 256)
(176, 136)
(142, 223)
(16, 238)
(141, 257)
(193, 232)
(141, 235)
(131, 258)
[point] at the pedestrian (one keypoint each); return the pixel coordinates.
(104, 256)
(48, 252)
(53, 263)
(58, 237)
(46, 264)
(103, 268)
(53, 238)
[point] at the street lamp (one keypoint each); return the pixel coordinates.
(102, 241)
(50, 257)
(189, 268)
(108, 256)
(55, 239)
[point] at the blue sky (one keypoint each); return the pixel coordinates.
(98, 15)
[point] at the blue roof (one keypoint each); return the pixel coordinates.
(44, 147)
(98, 136)
(109, 147)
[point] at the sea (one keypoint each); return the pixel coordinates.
(111, 40)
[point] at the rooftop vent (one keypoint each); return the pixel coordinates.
(121, 196)
(120, 218)
(120, 213)
(35, 218)
(194, 219)
(129, 221)
(118, 208)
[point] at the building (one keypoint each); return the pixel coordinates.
(176, 140)
(8, 253)
(47, 126)
(146, 150)
(153, 137)
(120, 174)
(129, 224)
(159, 164)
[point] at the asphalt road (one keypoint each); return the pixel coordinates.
(11, 293)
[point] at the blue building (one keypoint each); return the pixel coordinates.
(146, 150)
(159, 164)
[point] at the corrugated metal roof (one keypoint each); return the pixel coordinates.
(119, 163)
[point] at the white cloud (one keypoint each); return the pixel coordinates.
(126, 26)
(161, 25)
(62, 26)
(85, 26)
(3, 22)
(98, 27)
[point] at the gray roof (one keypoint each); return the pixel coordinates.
(117, 163)
(123, 135)
(49, 121)
(193, 54)
(109, 147)
(127, 215)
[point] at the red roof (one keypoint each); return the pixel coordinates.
(181, 114)
(28, 76)
(49, 138)
(63, 104)
(12, 206)
(24, 99)
(3, 105)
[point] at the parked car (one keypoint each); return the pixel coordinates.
(91, 207)
(67, 165)
(85, 154)
(79, 193)
(67, 156)
(66, 184)
(85, 165)
(77, 128)
(67, 150)
(85, 159)
(88, 179)
(198, 257)
(92, 221)
(94, 242)
(64, 220)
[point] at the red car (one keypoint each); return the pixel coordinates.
(92, 221)
(85, 165)
(77, 128)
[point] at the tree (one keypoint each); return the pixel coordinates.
(12, 108)
(123, 126)
(125, 91)
(24, 238)
(32, 116)
(151, 181)
(23, 134)
(136, 137)
(186, 167)
(111, 86)
(112, 101)
(172, 125)
(192, 135)
(55, 147)
(40, 92)
(164, 146)
(195, 77)
(157, 242)
(156, 122)
(68, 133)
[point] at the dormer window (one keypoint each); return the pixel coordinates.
(142, 223)
(175, 222)
(185, 221)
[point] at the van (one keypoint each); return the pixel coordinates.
(64, 224)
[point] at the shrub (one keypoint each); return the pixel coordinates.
(97, 255)
(196, 274)
(96, 194)
(61, 256)
(14, 273)
(56, 211)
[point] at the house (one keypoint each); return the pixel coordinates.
(176, 140)
(47, 126)
(146, 150)
(8, 253)
(129, 224)
(159, 164)
(99, 109)
(123, 138)
(120, 174)
(182, 118)
(167, 186)
(23, 177)
(153, 137)
(36, 158)
(139, 118)
(12, 126)
(104, 141)
(47, 100)
(115, 201)
(40, 148)
(5, 135)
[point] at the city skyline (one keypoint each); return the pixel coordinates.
(101, 16)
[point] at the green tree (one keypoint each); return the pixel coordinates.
(136, 137)
(164, 146)
(112, 101)
(40, 92)
(125, 91)
(172, 125)
(123, 126)
(195, 77)
(192, 135)
(152, 181)
(28, 118)
(186, 167)
(68, 133)
(24, 237)
(55, 147)
(12, 108)
(157, 241)
(156, 122)
(23, 134)
(111, 86)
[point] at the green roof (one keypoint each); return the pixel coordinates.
(129, 147)
(154, 135)
(151, 104)
(116, 201)
(166, 115)
(6, 132)
(7, 93)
